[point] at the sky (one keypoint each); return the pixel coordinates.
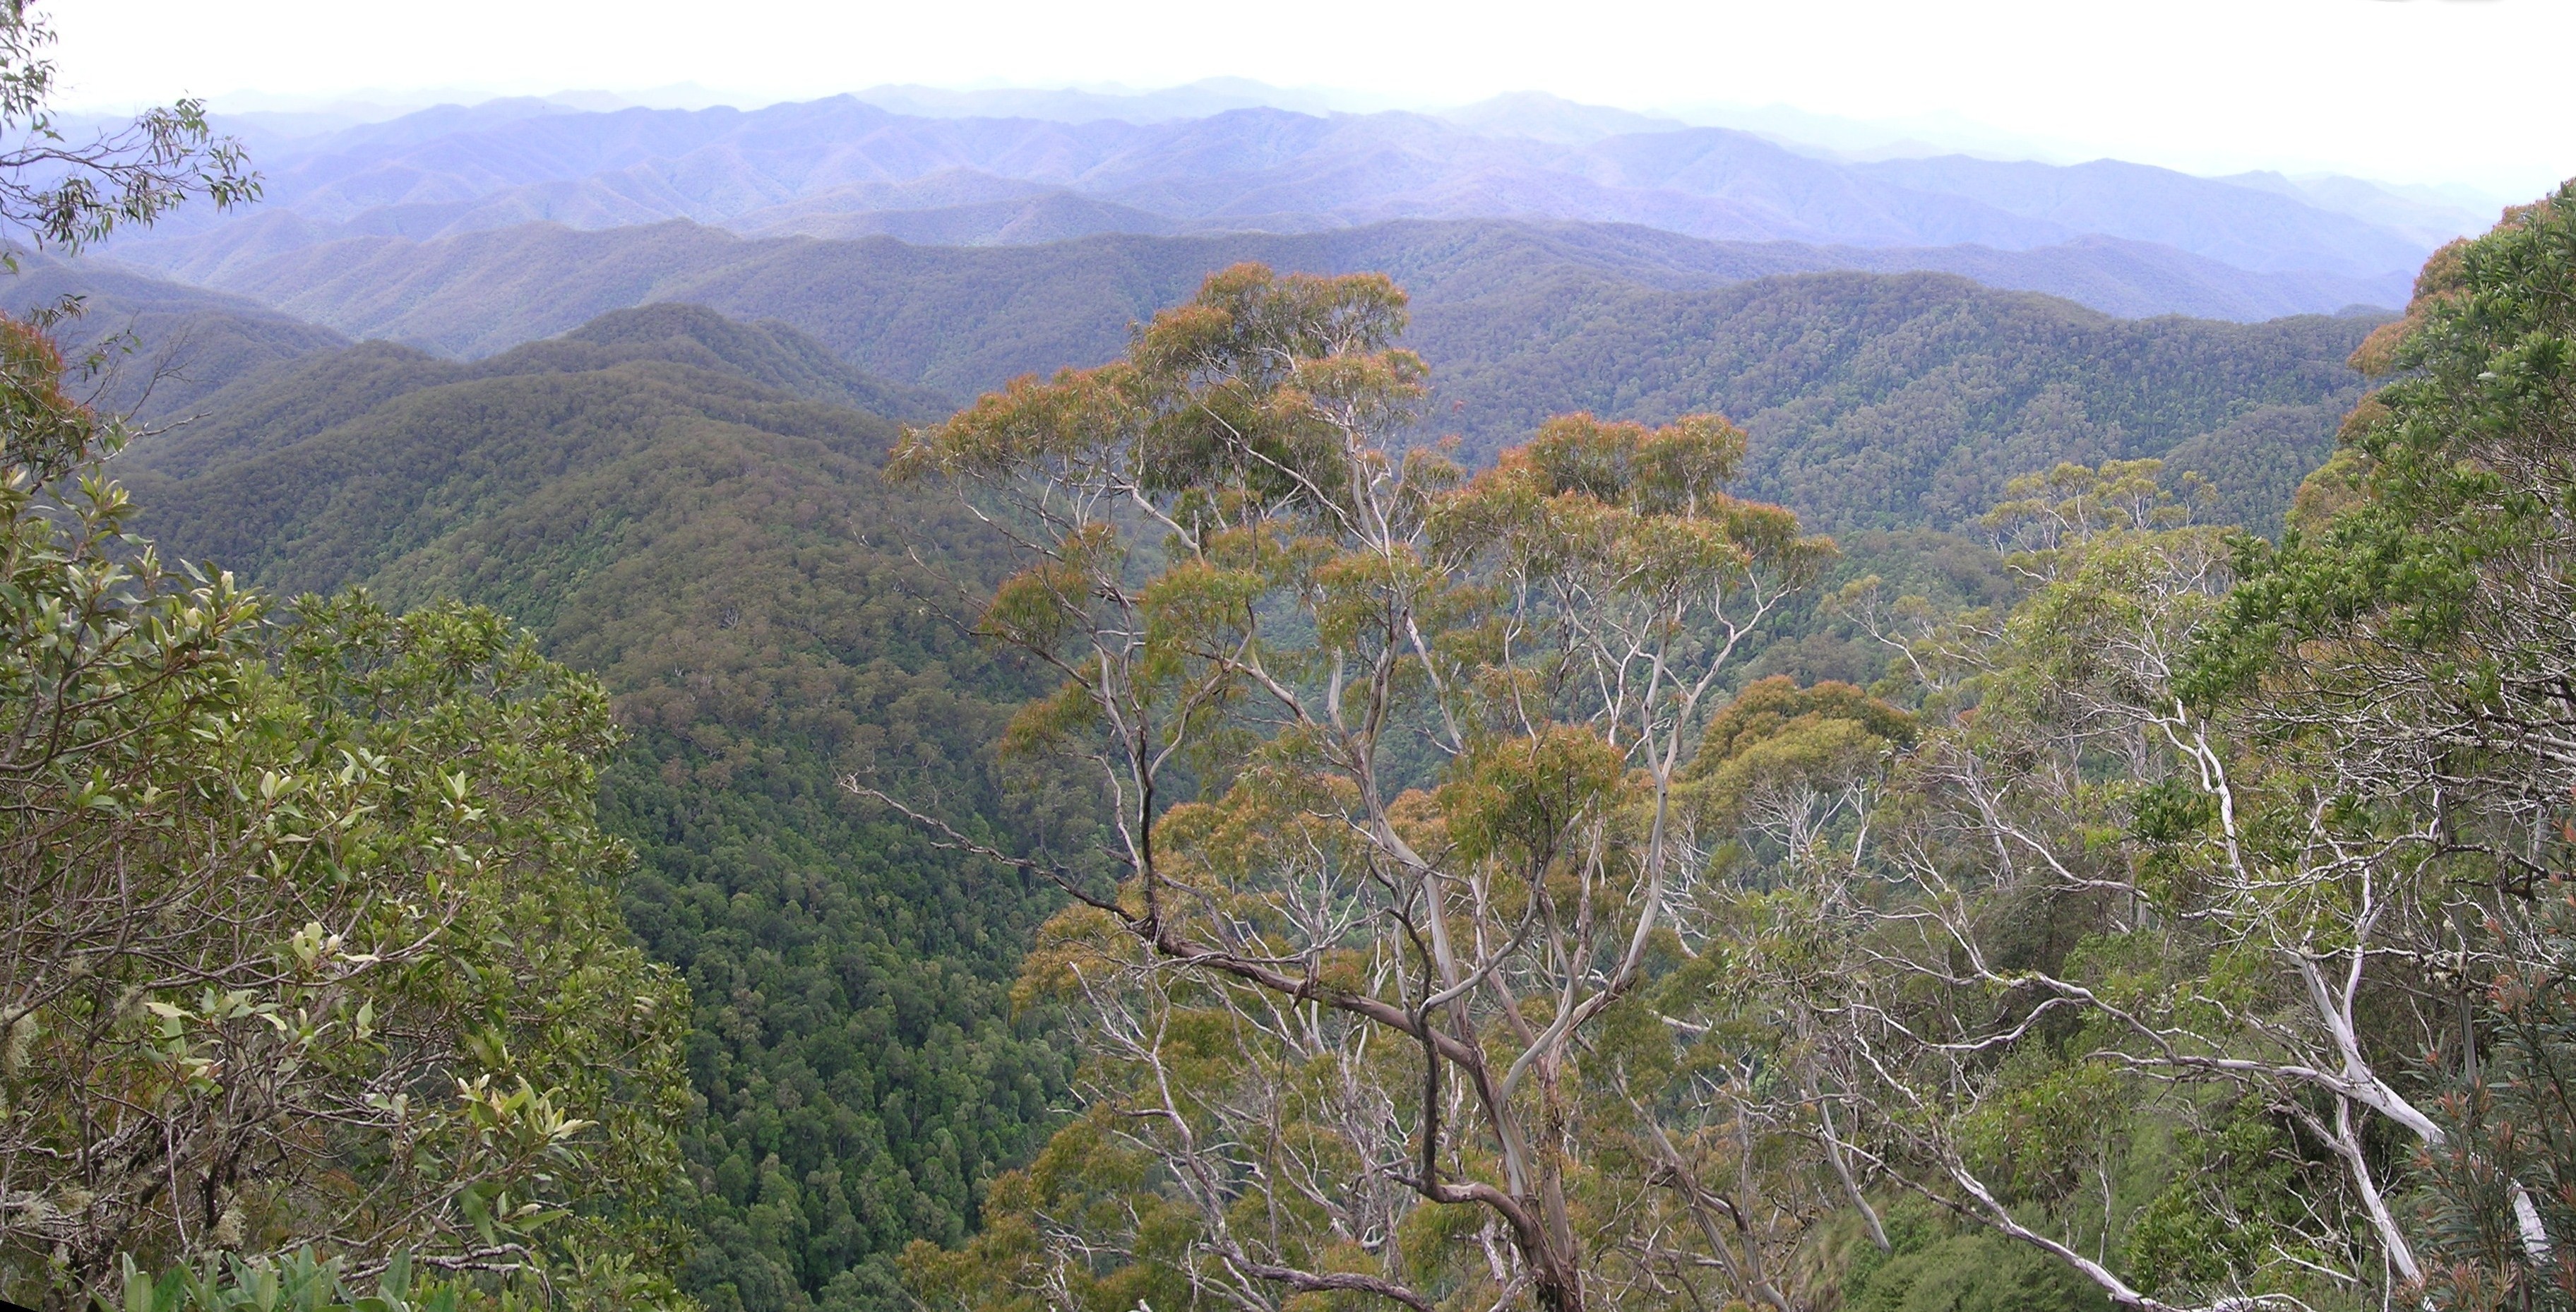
(2465, 92)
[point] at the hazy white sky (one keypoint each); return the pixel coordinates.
(2405, 90)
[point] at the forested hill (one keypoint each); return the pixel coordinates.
(1873, 399)
(649, 497)
(278, 403)
(163, 347)
(1907, 400)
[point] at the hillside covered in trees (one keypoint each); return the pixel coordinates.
(1874, 400)
(687, 507)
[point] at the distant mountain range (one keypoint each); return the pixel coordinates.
(844, 167)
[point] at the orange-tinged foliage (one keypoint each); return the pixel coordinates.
(1768, 706)
(1670, 470)
(44, 429)
(2444, 278)
(1076, 412)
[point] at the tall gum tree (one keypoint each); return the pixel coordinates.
(1392, 754)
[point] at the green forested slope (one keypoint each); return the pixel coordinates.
(957, 318)
(718, 550)
(164, 348)
(1873, 399)
(263, 404)
(1910, 399)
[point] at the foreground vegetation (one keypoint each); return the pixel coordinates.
(311, 941)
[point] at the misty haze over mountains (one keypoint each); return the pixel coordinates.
(1013, 168)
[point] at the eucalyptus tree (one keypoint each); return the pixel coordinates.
(66, 186)
(1394, 757)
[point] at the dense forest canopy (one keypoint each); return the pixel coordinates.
(644, 497)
